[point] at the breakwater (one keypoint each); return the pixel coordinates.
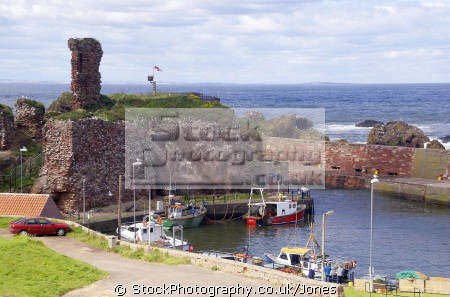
(93, 149)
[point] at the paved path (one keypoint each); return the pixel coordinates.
(128, 272)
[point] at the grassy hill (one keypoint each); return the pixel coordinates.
(112, 107)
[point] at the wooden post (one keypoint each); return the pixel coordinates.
(119, 216)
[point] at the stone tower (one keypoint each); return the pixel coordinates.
(86, 56)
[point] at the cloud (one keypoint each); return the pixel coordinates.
(231, 41)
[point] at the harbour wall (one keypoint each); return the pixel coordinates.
(94, 150)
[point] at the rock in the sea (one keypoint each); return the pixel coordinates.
(369, 123)
(303, 123)
(445, 139)
(435, 144)
(342, 141)
(397, 134)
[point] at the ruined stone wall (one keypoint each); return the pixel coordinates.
(351, 166)
(29, 117)
(363, 160)
(6, 129)
(86, 79)
(91, 149)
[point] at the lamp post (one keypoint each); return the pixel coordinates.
(22, 150)
(187, 177)
(137, 163)
(330, 212)
(149, 212)
(84, 202)
(372, 182)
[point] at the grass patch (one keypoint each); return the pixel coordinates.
(33, 103)
(5, 108)
(31, 269)
(154, 255)
(215, 268)
(351, 292)
(62, 104)
(92, 239)
(4, 221)
(112, 107)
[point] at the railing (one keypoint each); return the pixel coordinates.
(11, 182)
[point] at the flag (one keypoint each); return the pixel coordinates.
(157, 68)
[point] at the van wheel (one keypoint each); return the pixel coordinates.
(61, 232)
(23, 233)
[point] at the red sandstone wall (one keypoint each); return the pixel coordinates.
(92, 149)
(361, 159)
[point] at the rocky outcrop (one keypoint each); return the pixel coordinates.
(303, 123)
(86, 79)
(255, 116)
(29, 117)
(435, 144)
(397, 134)
(6, 127)
(369, 123)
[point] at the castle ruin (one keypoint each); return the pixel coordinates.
(86, 79)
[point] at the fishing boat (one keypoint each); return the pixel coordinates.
(140, 232)
(240, 257)
(302, 260)
(267, 212)
(177, 214)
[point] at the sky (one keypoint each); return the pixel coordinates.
(236, 41)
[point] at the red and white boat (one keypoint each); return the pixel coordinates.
(266, 213)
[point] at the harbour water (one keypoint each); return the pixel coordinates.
(407, 235)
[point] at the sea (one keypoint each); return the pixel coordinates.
(426, 106)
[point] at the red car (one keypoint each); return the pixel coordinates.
(38, 226)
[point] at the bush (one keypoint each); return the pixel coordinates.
(6, 109)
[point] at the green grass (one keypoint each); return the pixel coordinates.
(4, 221)
(62, 104)
(31, 269)
(351, 292)
(6, 109)
(33, 103)
(154, 255)
(112, 107)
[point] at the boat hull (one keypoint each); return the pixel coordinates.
(280, 220)
(186, 222)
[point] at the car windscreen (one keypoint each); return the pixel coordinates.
(19, 220)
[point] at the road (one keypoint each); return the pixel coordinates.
(128, 272)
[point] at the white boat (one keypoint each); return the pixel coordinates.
(302, 260)
(299, 258)
(157, 235)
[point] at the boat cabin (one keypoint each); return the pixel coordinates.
(300, 258)
(156, 232)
